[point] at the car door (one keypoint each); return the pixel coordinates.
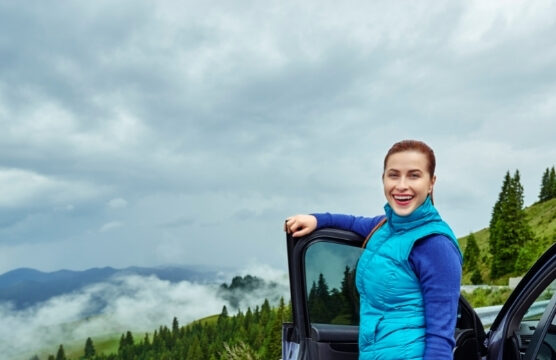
(325, 304)
(525, 327)
(324, 301)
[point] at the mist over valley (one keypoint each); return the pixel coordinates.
(69, 306)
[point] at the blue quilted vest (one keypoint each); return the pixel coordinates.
(392, 322)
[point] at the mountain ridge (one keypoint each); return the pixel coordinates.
(25, 287)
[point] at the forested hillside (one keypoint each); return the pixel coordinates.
(255, 334)
(541, 218)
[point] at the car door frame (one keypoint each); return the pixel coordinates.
(301, 331)
(540, 275)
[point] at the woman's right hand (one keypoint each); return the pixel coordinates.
(300, 225)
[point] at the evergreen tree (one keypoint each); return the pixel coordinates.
(265, 313)
(322, 287)
(51, 357)
(274, 339)
(552, 182)
(223, 315)
(471, 254)
(496, 211)
(545, 186)
(129, 338)
(61, 354)
(350, 297)
(548, 185)
(89, 349)
(125, 348)
(508, 230)
(194, 351)
(476, 277)
(248, 319)
(175, 327)
(526, 257)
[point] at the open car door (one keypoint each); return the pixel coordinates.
(325, 303)
(525, 327)
(324, 300)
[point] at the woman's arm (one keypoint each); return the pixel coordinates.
(437, 264)
(301, 225)
(359, 224)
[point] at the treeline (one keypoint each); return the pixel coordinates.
(511, 241)
(255, 334)
(334, 306)
(548, 185)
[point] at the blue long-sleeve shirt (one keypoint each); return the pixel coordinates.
(437, 263)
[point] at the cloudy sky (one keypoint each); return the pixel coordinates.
(180, 132)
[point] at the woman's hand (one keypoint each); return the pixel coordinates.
(300, 225)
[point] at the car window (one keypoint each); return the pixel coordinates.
(535, 311)
(330, 278)
(530, 322)
(547, 349)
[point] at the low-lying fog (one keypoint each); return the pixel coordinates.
(135, 303)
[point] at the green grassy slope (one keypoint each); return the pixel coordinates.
(541, 218)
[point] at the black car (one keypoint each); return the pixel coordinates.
(326, 315)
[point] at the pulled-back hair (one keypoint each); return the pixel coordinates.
(414, 145)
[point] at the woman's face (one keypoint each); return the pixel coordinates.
(407, 181)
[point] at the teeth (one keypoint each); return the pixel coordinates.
(403, 198)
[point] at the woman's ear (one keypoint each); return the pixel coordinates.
(433, 180)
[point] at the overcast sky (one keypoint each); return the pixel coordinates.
(179, 132)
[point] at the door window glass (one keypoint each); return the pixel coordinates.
(547, 349)
(531, 319)
(330, 278)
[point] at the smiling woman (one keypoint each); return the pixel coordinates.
(408, 275)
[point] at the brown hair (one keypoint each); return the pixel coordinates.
(414, 145)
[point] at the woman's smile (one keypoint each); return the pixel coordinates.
(403, 200)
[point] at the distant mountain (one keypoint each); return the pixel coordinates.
(26, 287)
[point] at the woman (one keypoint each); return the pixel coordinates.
(409, 275)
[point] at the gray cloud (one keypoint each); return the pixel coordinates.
(216, 121)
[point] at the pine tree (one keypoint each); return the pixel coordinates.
(125, 348)
(508, 230)
(89, 349)
(223, 314)
(274, 339)
(545, 186)
(61, 354)
(476, 277)
(175, 327)
(471, 254)
(129, 338)
(552, 183)
(194, 351)
(525, 258)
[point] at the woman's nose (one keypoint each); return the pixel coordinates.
(402, 183)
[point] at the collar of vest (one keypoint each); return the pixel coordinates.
(426, 212)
